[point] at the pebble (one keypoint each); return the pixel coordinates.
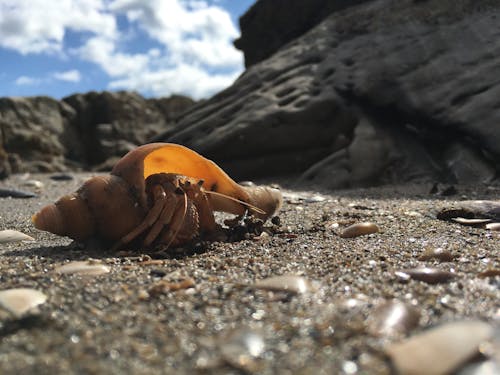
(61, 177)
(164, 286)
(437, 253)
(242, 348)
(33, 183)
(493, 226)
(82, 268)
(359, 229)
(439, 350)
(493, 272)
(392, 318)
(315, 199)
(10, 235)
(286, 283)
(14, 193)
(20, 301)
(426, 274)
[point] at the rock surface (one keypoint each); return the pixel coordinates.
(379, 92)
(41, 134)
(32, 133)
(386, 91)
(278, 22)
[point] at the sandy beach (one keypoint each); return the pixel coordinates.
(204, 308)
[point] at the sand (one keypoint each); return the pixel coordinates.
(197, 308)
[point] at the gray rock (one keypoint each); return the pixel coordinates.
(32, 133)
(387, 91)
(40, 134)
(109, 124)
(278, 22)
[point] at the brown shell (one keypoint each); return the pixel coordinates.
(153, 158)
(112, 206)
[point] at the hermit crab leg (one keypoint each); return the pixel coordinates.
(160, 200)
(165, 218)
(177, 221)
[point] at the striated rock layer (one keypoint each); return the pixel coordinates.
(385, 91)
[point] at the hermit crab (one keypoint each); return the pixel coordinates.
(159, 193)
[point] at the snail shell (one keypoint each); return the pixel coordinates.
(103, 206)
(111, 206)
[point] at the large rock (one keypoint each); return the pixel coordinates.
(109, 124)
(269, 25)
(33, 131)
(40, 134)
(383, 92)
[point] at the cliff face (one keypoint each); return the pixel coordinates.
(83, 131)
(382, 92)
(268, 25)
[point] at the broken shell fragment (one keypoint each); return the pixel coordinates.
(437, 253)
(20, 301)
(471, 222)
(426, 274)
(483, 209)
(359, 229)
(10, 235)
(439, 350)
(493, 226)
(82, 268)
(286, 283)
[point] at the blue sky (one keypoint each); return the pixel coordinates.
(155, 47)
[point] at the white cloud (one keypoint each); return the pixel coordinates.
(68, 76)
(39, 26)
(189, 50)
(27, 81)
(192, 31)
(102, 51)
(183, 79)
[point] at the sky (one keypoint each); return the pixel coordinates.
(155, 47)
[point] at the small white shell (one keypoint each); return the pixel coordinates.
(471, 222)
(10, 235)
(359, 229)
(19, 301)
(286, 283)
(439, 350)
(493, 226)
(82, 268)
(33, 183)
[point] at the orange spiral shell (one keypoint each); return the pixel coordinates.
(110, 206)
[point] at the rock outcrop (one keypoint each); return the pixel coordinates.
(268, 25)
(33, 133)
(92, 130)
(338, 93)
(386, 91)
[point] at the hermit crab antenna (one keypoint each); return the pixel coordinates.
(250, 206)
